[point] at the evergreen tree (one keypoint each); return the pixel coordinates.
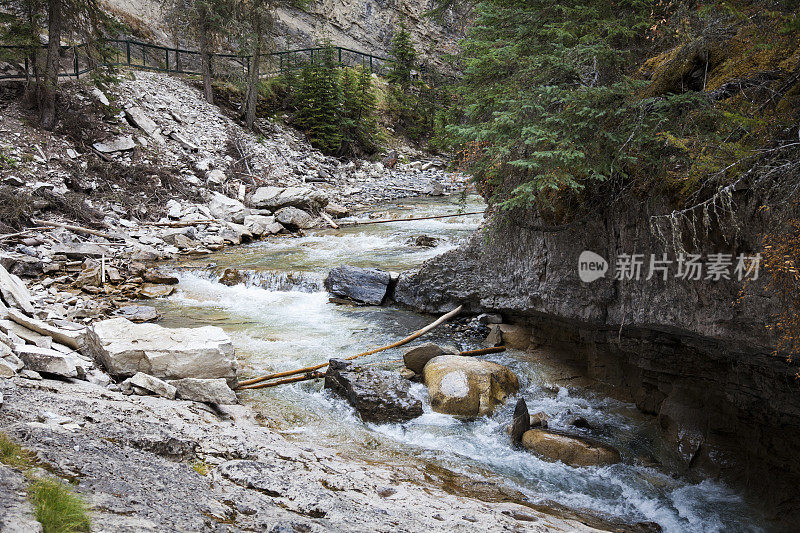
(357, 113)
(403, 56)
(547, 101)
(317, 100)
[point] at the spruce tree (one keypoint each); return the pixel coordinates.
(549, 109)
(317, 100)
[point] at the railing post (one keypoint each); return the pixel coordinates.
(144, 56)
(128, 50)
(178, 66)
(340, 55)
(166, 56)
(75, 59)
(370, 64)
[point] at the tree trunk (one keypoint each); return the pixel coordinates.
(206, 60)
(49, 85)
(252, 83)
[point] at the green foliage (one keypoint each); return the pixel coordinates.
(57, 508)
(546, 97)
(317, 101)
(12, 454)
(357, 112)
(403, 56)
(335, 106)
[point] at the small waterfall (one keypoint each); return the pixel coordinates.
(270, 280)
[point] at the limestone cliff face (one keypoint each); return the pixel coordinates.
(695, 353)
(363, 25)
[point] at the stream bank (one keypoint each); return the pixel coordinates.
(697, 354)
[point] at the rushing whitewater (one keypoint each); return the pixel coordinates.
(280, 319)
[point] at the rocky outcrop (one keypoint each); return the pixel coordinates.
(467, 387)
(571, 450)
(697, 354)
(379, 396)
(365, 285)
(125, 348)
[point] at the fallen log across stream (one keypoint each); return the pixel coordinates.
(319, 375)
(249, 384)
(389, 220)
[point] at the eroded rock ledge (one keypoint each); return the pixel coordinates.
(152, 464)
(681, 350)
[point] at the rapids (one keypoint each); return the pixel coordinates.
(279, 318)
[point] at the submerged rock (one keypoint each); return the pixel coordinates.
(571, 450)
(365, 285)
(379, 396)
(468, 387)
(138, 313)
(125, 348)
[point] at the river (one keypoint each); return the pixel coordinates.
(280, 318)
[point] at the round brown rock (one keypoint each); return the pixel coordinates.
(574, 451)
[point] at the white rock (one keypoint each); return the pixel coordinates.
(70, 338)
(258, 224)
(47, 361)
(226, 208)
(125, 348)
(215, 177)
(6, 370)
(14, 291)
(174, 209)
(120, 144)
(159, 387)
(277, 197)
(139, 119)
(214, 391)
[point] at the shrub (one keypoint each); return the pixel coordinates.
(57, 508)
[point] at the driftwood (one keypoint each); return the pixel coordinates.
(385, 221)
(76, 229)
(326, 217)
(181, 224)
(23, 232)
(320, 375)
(415, 335)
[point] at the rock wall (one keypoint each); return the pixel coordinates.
(364, 25)
(695, 353)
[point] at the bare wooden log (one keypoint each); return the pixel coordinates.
(76, 229)
(388, 220)
(415, 335)
(327, 218)
(23, 232)
(182, 224)
(319, 375)
(307, 377)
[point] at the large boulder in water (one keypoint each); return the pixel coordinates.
(571, 450)
(417, 357)
(378, 395)
(365, 285)
(468, 387)
(125, 348)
